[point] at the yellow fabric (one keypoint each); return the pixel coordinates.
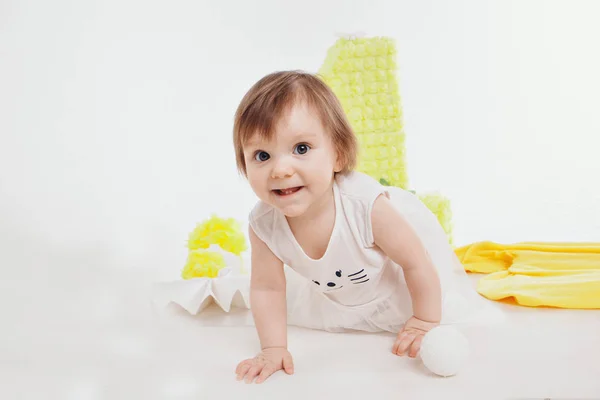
(565, 275)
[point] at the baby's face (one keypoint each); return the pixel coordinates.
(294, 170)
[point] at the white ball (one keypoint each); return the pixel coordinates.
(444, 350)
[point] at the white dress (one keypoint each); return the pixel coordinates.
(355, 286)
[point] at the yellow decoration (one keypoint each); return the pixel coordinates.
(440, 206)
(225, 233)
(362, 72)
(203, 264)
(565, 275)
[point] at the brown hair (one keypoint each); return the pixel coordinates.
(267, 100)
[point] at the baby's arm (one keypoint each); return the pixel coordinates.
(269, 309)
(394, 236)
(267, 295)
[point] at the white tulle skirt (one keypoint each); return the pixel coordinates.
(388, 311)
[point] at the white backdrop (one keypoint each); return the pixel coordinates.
(116, 116)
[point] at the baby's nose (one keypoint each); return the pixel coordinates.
(330, 284)
(282, 169)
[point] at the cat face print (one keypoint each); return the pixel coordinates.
(339, 281)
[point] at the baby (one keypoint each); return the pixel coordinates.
(357, 255)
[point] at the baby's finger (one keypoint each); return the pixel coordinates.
(415, 347)
(266, 372)
(405, 343)
(253, 372)
(243, 369)
(288, 364)
(240, 365)
(397, 342)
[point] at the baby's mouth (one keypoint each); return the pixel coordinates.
(288, 191)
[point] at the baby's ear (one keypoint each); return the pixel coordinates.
(339, 163)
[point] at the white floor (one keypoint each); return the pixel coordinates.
(77, 334)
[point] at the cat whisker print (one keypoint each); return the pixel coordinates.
(358, 277)
(356, 273)
(335, 284)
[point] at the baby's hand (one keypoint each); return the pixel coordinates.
(410, 336)
(265, 364)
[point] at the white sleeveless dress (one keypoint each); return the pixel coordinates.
(355, 286)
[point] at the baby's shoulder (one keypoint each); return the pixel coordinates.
(358, 193)
(360, 186)
(261, 210)
(262, 219)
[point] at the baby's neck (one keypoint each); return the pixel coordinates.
(321, 211)
(313, 229)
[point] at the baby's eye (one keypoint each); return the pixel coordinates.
(301, 149)
(262, 156)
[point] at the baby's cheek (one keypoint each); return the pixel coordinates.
(257, 184)
(322, 169)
